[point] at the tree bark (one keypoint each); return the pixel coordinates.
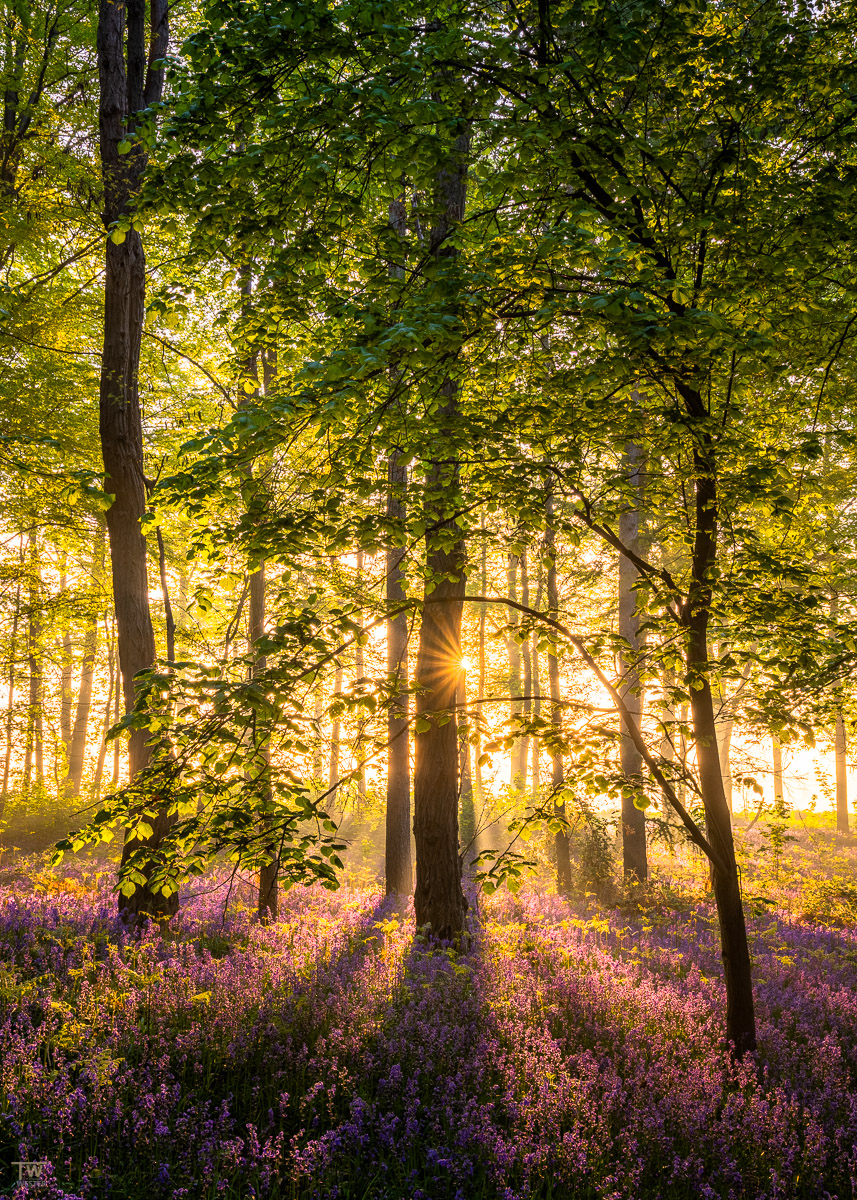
(634, 858)
(398, 866)
(563, 851)
(480, 695)
(439, 902)
(77, 750)
(65, 676)
(125, 89)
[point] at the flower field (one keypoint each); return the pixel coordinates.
(568, 1053)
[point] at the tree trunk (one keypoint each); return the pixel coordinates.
(563, 852)
(398, 867)
(480, 695)
(13, 652)
(65, 677)
(840, 753)
(77, 751)
(467, 812)
(635, 862)
(267, 906)
(439, 902)
(124, 91)
(777, 756)
(102, 749)
(336, 729)
(740, 1010)
(35, 746)
(517, 766)
(527, 705)
(317, 765)
(359, 671)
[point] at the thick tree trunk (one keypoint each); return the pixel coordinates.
(398, 866)
(439, 902)
(635, 862)
(841, 763)
(561, 844)
(740, 1010)
(125, 91)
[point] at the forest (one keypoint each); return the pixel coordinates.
(428, 600)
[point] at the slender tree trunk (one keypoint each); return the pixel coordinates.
(634, 857)
(169, 618)
(77, 752)
(10, 706)
(317, 765)
(398, 867)
(467, 812)
(517, 764)
(439, 902)
(841, 761)
(35, 746)
(125, 89)
(359, 671)
(526, 659)
(480, 695)
(102, 749)
(267, 906)
(336, 730)
(777, 756)
(65, 676)
(563, 853)
(740, 1009)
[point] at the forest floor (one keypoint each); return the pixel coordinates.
(574, 1050)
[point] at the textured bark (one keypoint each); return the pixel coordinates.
(125, 89)
(634, 857)
(398, 866)
(439, 902)
(841, 762)
(563, 853)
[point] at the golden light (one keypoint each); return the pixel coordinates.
(465, 663)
